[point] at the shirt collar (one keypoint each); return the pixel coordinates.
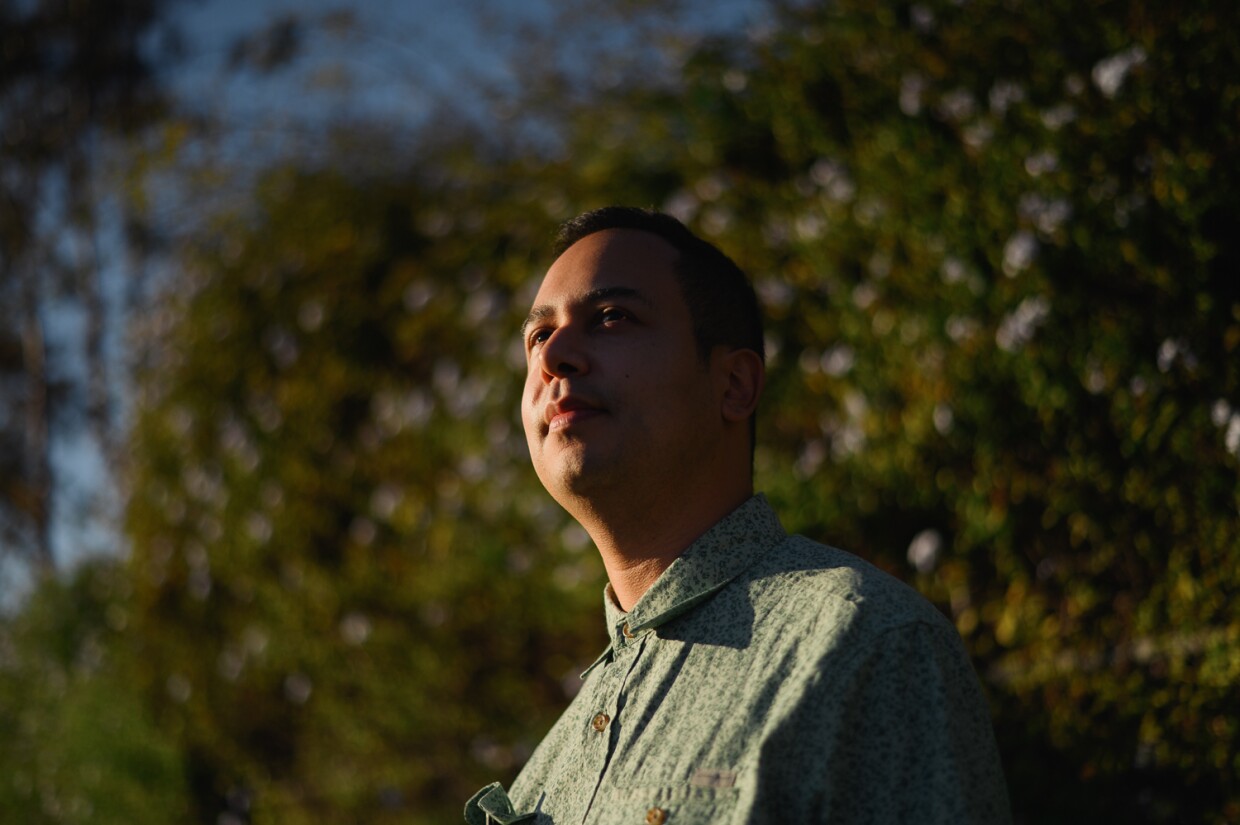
(713, 560)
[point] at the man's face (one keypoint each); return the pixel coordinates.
(616, 396)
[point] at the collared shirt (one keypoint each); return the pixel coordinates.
(766, 678)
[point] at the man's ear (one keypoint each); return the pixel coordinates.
(742, 376)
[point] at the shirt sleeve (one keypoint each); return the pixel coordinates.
(491, 806)
(896, 731)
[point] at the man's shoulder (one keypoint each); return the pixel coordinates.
(802, 578)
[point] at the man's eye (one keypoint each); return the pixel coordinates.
(609, 316)
(538, 336)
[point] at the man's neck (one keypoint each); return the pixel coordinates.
(638, 542)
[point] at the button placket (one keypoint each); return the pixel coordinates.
(612, 684)
(602, 732)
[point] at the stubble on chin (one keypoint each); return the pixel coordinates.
(569, 474)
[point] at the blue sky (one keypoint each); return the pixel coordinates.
(393, 58)
(399, 59)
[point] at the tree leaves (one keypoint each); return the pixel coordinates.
(1002, 326)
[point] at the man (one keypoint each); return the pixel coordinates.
(752, 676)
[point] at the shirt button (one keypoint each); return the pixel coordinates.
(656, 816)
(628, 634)
(599, 722)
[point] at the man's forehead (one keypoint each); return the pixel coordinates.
(610, 259)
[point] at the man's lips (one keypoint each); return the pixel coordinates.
(569, 411)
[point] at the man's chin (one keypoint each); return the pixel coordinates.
(578, 474)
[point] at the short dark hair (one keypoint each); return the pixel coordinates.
(720, 298)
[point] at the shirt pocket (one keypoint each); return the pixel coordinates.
(681, 804)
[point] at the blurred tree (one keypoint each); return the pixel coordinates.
(994, 247)
(1005, 313)
(332, 501)
(72, 75)
(78, 742)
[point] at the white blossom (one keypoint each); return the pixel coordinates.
(838, 360)
(1109, 74)
(230, 664)
(1019, 252)
(944, 418)
(734, 80)
(1220, 412)
(1018, 328)
(258, 527)
(1041, 163)
(1048, 214)
(1172, 350)
(1057, 117)
(774, 293)
(864, 295)
(922, 18)
(310, 316)
(709, 188)
(682, 206)
(355, 628)
(482, 305)
(833, 178)
(385, 499)
(952, 270)
(958, 105)
(1232, 437)
(1095, 377)
(417, 295)
(809, 226)
(1003, 94)
(977, 135)
(911, 88)
(297, 688)
(960, 328)
(924, 550)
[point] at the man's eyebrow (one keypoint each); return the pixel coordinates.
(594, 296)
(536, 314)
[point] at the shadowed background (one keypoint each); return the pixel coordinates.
(272, 551)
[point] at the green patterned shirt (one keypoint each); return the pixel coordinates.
(766, 678)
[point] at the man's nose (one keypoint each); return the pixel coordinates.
(563, 354)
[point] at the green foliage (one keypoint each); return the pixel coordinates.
(79, 741)
(1006, 314)
(333, 503)
(994, 246)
